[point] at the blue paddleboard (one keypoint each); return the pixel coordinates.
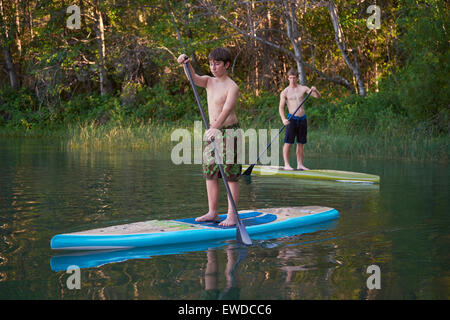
(96, 258)
(158, 233)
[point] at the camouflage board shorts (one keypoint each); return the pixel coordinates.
(232, 169)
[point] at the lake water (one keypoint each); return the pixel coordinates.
(400, 226)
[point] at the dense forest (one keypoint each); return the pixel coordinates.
(379, 64)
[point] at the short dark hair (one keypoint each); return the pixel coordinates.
(220, 54)
(292, 72)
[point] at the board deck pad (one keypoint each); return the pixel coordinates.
(181, 231)
(221, 217)
(247, 219)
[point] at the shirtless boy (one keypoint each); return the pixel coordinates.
(222, 94)
(293, 95)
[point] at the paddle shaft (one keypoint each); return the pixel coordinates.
(242, 234)
(249, 169)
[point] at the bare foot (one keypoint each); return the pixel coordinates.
(208, 217)
(288, 167)
(229, 221)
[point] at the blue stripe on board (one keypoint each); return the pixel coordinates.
(248, 219)
(221, 218)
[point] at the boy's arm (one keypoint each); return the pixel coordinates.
(281, 108)
(201, 81)
(229, 105)
(314, 92)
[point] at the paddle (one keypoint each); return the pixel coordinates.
(242, 235)
(242, 254)
(249, 169)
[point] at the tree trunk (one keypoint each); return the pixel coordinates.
(5, 46)
(253, 46)
(269, 71)
(294, 36)
(29, 18)
(18, 28)
(13, 81)
(339, 37)
(105, 85)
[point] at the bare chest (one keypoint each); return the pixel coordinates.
(294, 95)
(217, 95)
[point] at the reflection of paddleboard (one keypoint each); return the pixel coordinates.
(336, 175)
(175, 232)
(96, 258)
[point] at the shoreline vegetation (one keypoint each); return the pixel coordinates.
(409, 144)
(113, 81)
(371, 127)
(416, 147)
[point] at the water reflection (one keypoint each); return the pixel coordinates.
(232, 289)
(240, 263)
(97, 258)
(400, 225)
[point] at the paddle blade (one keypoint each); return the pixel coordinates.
(248, 171)
(242, 235)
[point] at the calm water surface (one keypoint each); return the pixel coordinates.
(401, 226)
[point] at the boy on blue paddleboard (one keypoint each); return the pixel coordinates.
(222, 94)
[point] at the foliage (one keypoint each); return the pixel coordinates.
(423, 83)
(405, 64)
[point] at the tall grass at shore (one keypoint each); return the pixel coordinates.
(321, 141)
(143, 136)
(374, 146)
(413, 145)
